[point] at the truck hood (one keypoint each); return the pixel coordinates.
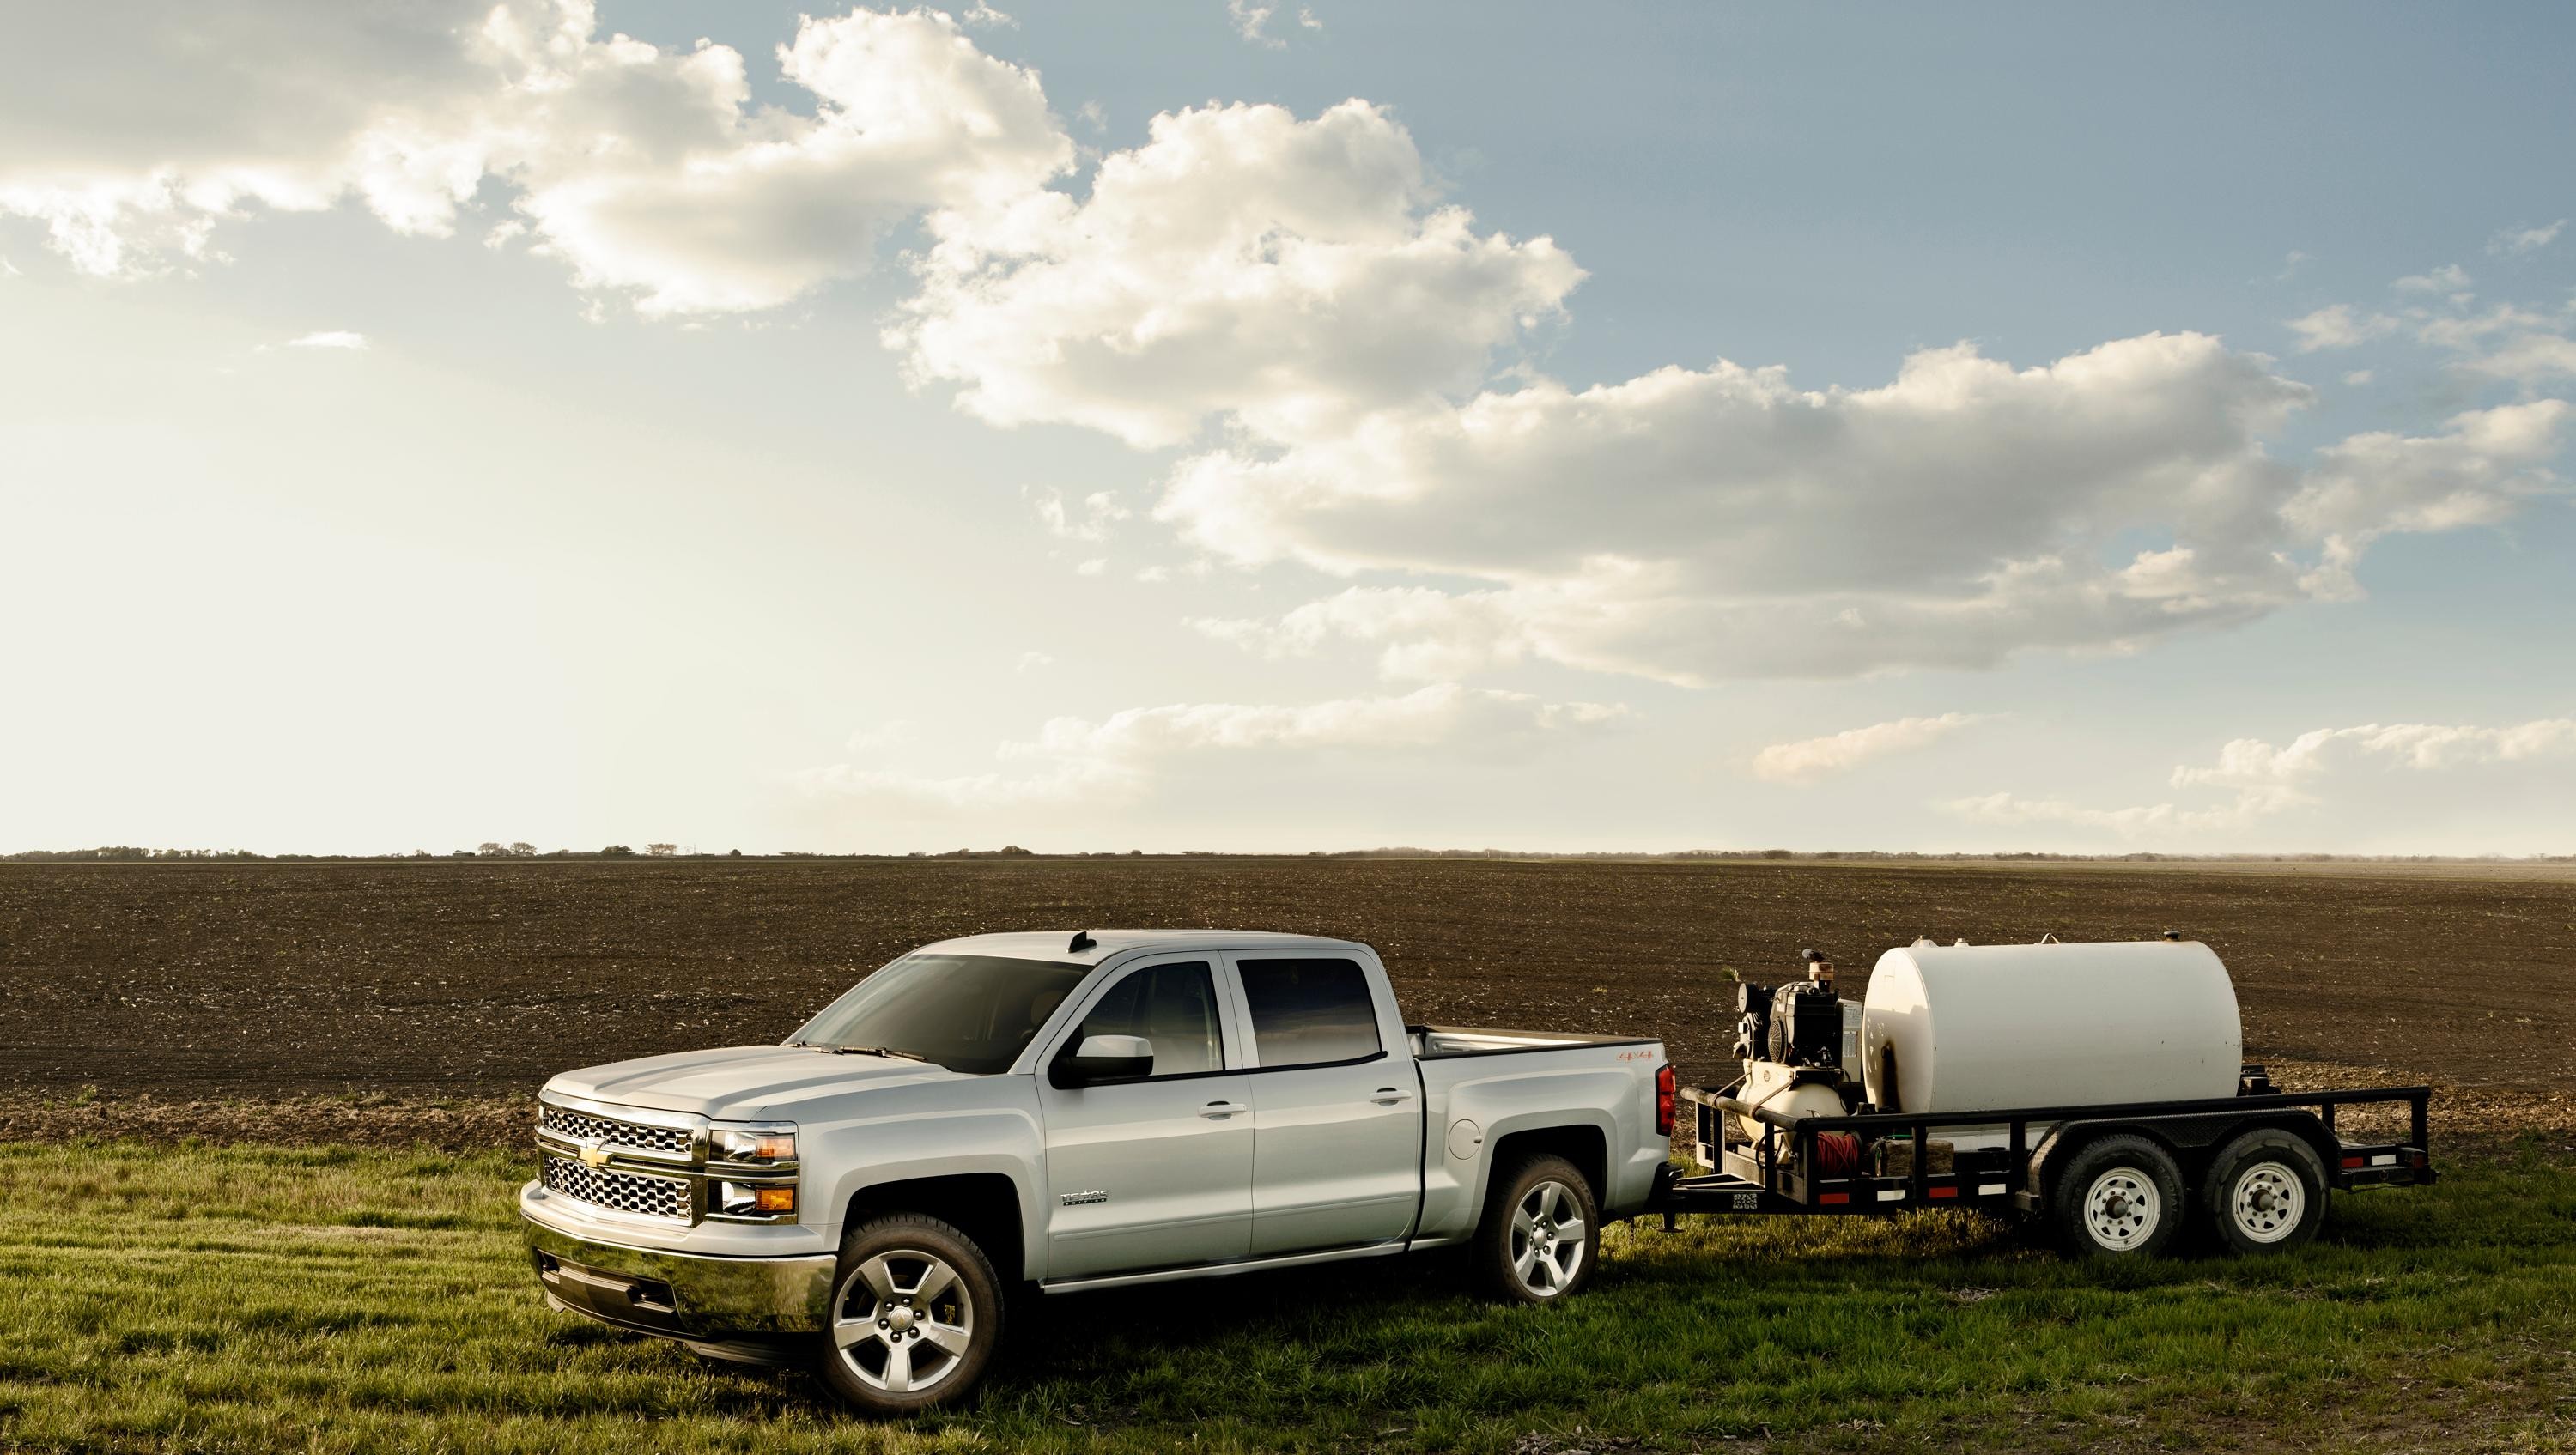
(740, 1083)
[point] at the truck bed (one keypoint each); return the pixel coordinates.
(1483, 1088)
(1441, 1043)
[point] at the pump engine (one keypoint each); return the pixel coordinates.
(1805, 1026)
(1799, 1045)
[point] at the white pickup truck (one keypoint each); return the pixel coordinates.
(1072, 1112)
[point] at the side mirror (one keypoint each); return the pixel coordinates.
(1103, 1058)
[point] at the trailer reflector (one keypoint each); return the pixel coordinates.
(1990, 1189)
(2351, 1162)
(1892, 1195)
(1943, 1192)
(1829, 1199)
(2384, 1159)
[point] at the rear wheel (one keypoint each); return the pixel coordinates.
(1540, 1237)
(2266, 1192)
(916, 1313)
(2117, 1197)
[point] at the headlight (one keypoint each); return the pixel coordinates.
(762, 1143)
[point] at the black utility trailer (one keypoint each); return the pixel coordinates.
(2114, 1180)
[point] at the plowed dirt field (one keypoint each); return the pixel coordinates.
(479, 978)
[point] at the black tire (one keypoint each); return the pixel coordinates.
(2118, 1196)
(2265, 1193)
(916, 1314)
(1525, 1252)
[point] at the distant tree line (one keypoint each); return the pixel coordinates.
(521, 849)
(488, 849)
(124, 853)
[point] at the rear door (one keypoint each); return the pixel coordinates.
(1337, 1120)
(1154, 1173)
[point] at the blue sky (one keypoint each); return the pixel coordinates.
(413, 446)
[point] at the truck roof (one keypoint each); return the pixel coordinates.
(1050, 944)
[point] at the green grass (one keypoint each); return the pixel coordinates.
(258, 1298)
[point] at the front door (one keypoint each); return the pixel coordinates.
(1157, 1172)
(1337, 1119)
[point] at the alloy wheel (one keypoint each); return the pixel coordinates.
(903, 1321)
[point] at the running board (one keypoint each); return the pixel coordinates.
(1219, 1270)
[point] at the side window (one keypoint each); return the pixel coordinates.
(1309, 1011)
(1173, 1006)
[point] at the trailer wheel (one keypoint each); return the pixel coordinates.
(2118, 1197)
(916, 1311)
(1540, 1237)
(2266, 1192)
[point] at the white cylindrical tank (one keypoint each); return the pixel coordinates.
(1961, 1028)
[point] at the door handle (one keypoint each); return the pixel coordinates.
(1219, 1110)
(1390, 1095)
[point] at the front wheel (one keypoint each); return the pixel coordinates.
(916, 1313)
(1540, 1237)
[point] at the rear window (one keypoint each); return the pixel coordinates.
(1309, 1011)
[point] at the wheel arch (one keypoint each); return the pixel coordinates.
(1581, 1143)
(985, 1206)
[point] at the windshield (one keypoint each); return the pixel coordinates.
(970, 1013)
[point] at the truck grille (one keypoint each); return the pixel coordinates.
(631, 1192)
(581, 1126)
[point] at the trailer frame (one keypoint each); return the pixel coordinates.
(1774, 1175)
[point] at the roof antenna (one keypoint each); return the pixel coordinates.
(1082, 941)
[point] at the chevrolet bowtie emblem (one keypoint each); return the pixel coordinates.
(594, 1156)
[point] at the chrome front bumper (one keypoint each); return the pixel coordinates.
(680, 1295)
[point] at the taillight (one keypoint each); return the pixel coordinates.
(1664, 1101)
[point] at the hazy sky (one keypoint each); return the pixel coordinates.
(1283, 427)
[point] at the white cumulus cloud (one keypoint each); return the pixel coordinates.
(2341, 326)
(1811, 758)
(2260, 781)
(1252, 21)
(2517, 242)
(2374, 484)
(130, 131)
(1290, 274)
(648, 171)
(2448, 278)
(1089, 519)
(1692, 525)
(2504, 341)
